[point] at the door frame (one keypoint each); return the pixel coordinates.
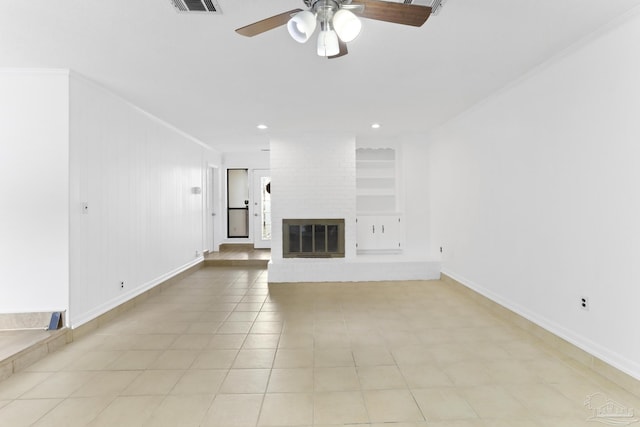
(212, 208)
(256, 209)
(247, 207)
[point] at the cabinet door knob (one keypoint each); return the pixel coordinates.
(373, 229)
(382, 228)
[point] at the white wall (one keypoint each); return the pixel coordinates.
(34, 178)
(246, 160)
(416, 196)
(144, 223)
(535, 195)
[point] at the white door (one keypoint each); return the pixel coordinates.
(212, 207)
(261, 208)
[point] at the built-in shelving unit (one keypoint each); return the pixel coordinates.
(378, 221)
(376, 180)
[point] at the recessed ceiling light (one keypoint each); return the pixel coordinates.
(262, 127)
(375, 126)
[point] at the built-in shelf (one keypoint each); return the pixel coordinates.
(378, 224)
(375, 163)
(375, 173)
(389, 192)
(375, 180)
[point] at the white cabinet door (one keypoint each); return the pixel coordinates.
(365, 233)
(378, 232)
(388, 233)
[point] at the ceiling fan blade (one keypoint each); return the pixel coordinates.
(398, 13)
(266, 24)
(343, 50)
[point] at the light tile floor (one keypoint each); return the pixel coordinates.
(222, 348)
(12, 342)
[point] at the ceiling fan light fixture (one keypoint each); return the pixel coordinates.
(328, 43)
(346, 24)
(301, 26)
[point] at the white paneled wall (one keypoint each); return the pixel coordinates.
(34, 202)
(136, 177)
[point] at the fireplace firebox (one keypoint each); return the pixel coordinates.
(313, 238)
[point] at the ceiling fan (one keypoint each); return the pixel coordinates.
(338, 21)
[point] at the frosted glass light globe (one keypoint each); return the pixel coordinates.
(328, 43)
(347, 25)
(301, 26)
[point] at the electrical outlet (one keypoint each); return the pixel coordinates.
(440, 249)
(122, 284)
(584, 303)
(197, 254)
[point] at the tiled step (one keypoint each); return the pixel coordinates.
(20, 349)
(236, 263)
(238, 255)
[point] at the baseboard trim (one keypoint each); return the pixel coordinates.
(106, 317)
(565, 348)
(76, 322)
(60, 338)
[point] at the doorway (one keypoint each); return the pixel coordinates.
(261, 208)
(237, 203)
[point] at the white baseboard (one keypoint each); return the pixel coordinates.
(76, 320)
(575, 346)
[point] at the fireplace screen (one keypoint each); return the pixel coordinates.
(313, 238)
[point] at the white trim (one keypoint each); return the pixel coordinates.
(73, 74)
(127, 296)
(619, 362)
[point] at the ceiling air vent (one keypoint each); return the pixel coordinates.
(210, 6)
(435, 5)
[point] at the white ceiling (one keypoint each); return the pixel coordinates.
(195, 72)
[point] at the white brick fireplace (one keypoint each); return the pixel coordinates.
(314, 176)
